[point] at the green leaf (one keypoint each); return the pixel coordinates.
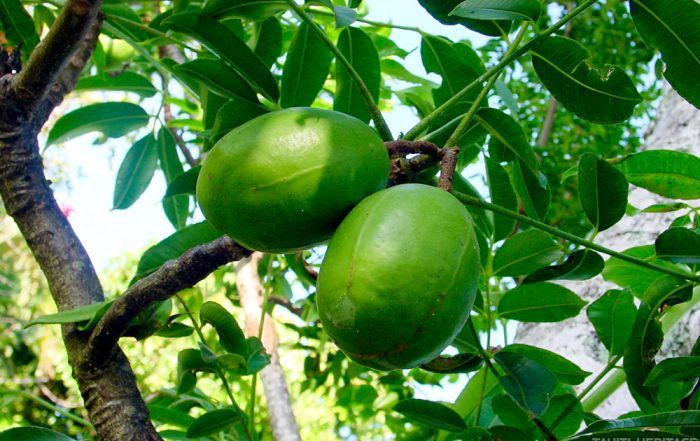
(674, 369)
(306, 68)
(678, 245)
(456, 63)
(502, 194)
(113, 119)
(431, 413)
(397, 70)
(525, 252)
(572, 419)
(176, 209)
(565, 370)
(667, 173)
(233, 114)
(212, 422)
(77, 315)
(219, 78)
(602, 190)
(440, 10)
(344, 16)
(632, 435)
(32, 433)
(136, 172)
(533, 190)
(175, 330)
(526, 381)
(540, 302)
(229, 47)
(603, 97)
(360, 51)
(170, 416)
(688, 418)
(612, 316)
(580, 265)
(268, 44)
(190, 361)
(174, 246)
(185, 183)
(247, 9)
(499, 9)
(125, 81)
(127, 21)
(230, 334)
(671, 27)
(647, 337)
(631, 276)
(18, 25)
(509, 134)
(511, 414)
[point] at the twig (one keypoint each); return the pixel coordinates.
(448, 164)
(168, 280)
(469, 200)
(403, 147)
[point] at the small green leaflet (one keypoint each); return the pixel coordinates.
(499, 9)
(230, 334)
(528, 383)
(77, 315)
(212, 422)
(440, 10)
(565, 370)
(125, 81)
(580, 265)
(434, 414)
(603, 97)
(360, 51)
(306, 68)
(268, 44)
(233, 114)
(247, 9)
(185, 183)
(540, 302)
(671, 26)
(219, 78)
(678, 245)
(176, 209)
(136, 172)
(612, 316)
(18, 25)
(533, 189)
(501, 194)
(113, 119)
(674, 369)
(667, 173)
(32, 433)
(525, 252)
(602, 191)
(509, 134)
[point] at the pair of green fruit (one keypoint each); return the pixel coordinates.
(399, 276)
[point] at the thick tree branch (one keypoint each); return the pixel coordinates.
(49, 58)
(168, 280)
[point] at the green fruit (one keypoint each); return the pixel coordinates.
(283, 181)
(399, 277)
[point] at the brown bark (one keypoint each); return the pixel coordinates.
(279, 403)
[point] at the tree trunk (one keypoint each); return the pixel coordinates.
(676, 127)
(279, 403)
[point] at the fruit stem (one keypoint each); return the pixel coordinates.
(374, 111)
(464, 123)
(469, 200)
(494, 71)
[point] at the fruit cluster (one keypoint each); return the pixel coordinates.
(399, 276)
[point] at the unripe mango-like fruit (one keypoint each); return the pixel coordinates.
(399, 278)
(283, 181)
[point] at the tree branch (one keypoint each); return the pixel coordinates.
(49, 58)
(448, 164)
(168, 280)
